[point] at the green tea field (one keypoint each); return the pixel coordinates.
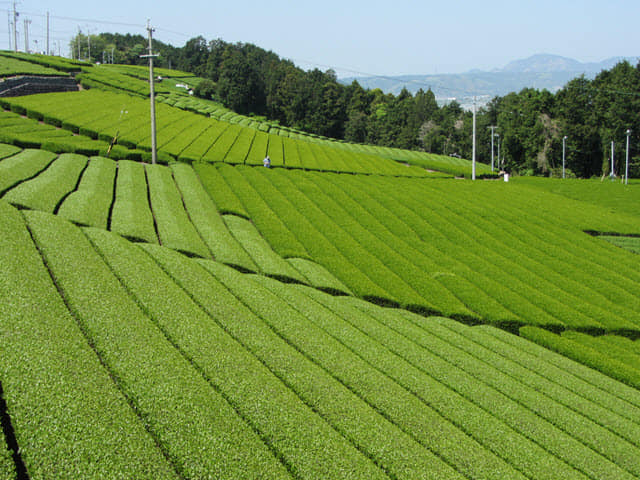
(352, 312)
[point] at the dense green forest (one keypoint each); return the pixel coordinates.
(530, 124)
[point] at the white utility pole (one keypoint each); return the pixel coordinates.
(15, 28)
(9, 27)
(493, 130)
(89, 44)
(612, 149)
(626, 168)
(564, 145)
(48, 52)
(473, 152)
(78, 42)
(152, 98)
(26, 34)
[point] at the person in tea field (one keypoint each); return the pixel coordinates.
(267, 162)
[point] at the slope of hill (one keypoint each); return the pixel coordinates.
(330, 387)
(341, 316)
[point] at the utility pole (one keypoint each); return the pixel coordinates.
(89, 44)
(152, 97)
(626, 168)
(26, 34)
(564, 144)
(612, 165)
(493, 129)
(15, 28)
(47, 51)
(9, 27)
(78, 42)
(112, 49)
(473, 154)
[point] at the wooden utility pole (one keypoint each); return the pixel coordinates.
(152, 97)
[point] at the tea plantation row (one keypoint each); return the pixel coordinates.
(233, 375)
(154, 204)
(191, 137)
(434, 247)
(427, 247)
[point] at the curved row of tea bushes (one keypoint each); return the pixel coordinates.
(23, 166)
(175, 229)
(253, 377)
(125, 118)
(208, 221)
(188, 419)
(45, 191)
(507, 423)
(268, 261)
(194, 422)
(594, 358)
(131, 216)
(91, 202)
(70, 419)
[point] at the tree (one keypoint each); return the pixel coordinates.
(205, 89)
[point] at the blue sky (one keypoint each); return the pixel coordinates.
(384, 38)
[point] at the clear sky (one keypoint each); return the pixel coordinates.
(386, 38)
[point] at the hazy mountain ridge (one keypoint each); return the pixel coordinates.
(537, 71)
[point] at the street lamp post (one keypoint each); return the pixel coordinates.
(564, 147)
(626, 168)
(612, 157)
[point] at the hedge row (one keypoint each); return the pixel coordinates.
(27, 133)
(90, 204)
(46, 191)
(181, 410)
(585, 425)
(56, 63)
(224, 198)
(8, 150)
(23, 166)
(319, 277)
(595, 404)
(486, 268)
(208, 221)
(175, 229)
(10, 67)
(296, 324)
(257, 380)
(256, 200)
(588, 356)
(301, 217)
(570, 264)
(69, 418)
(619, 397)
(204, 435)
(268, 261)
(121, 117)
(131, 216)
(460, 398)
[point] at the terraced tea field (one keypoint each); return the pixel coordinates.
(236, 375)
(340, 316)
(192, 137)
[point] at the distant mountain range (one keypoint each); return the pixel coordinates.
(538, 71)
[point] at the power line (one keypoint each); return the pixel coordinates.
(87, 20)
